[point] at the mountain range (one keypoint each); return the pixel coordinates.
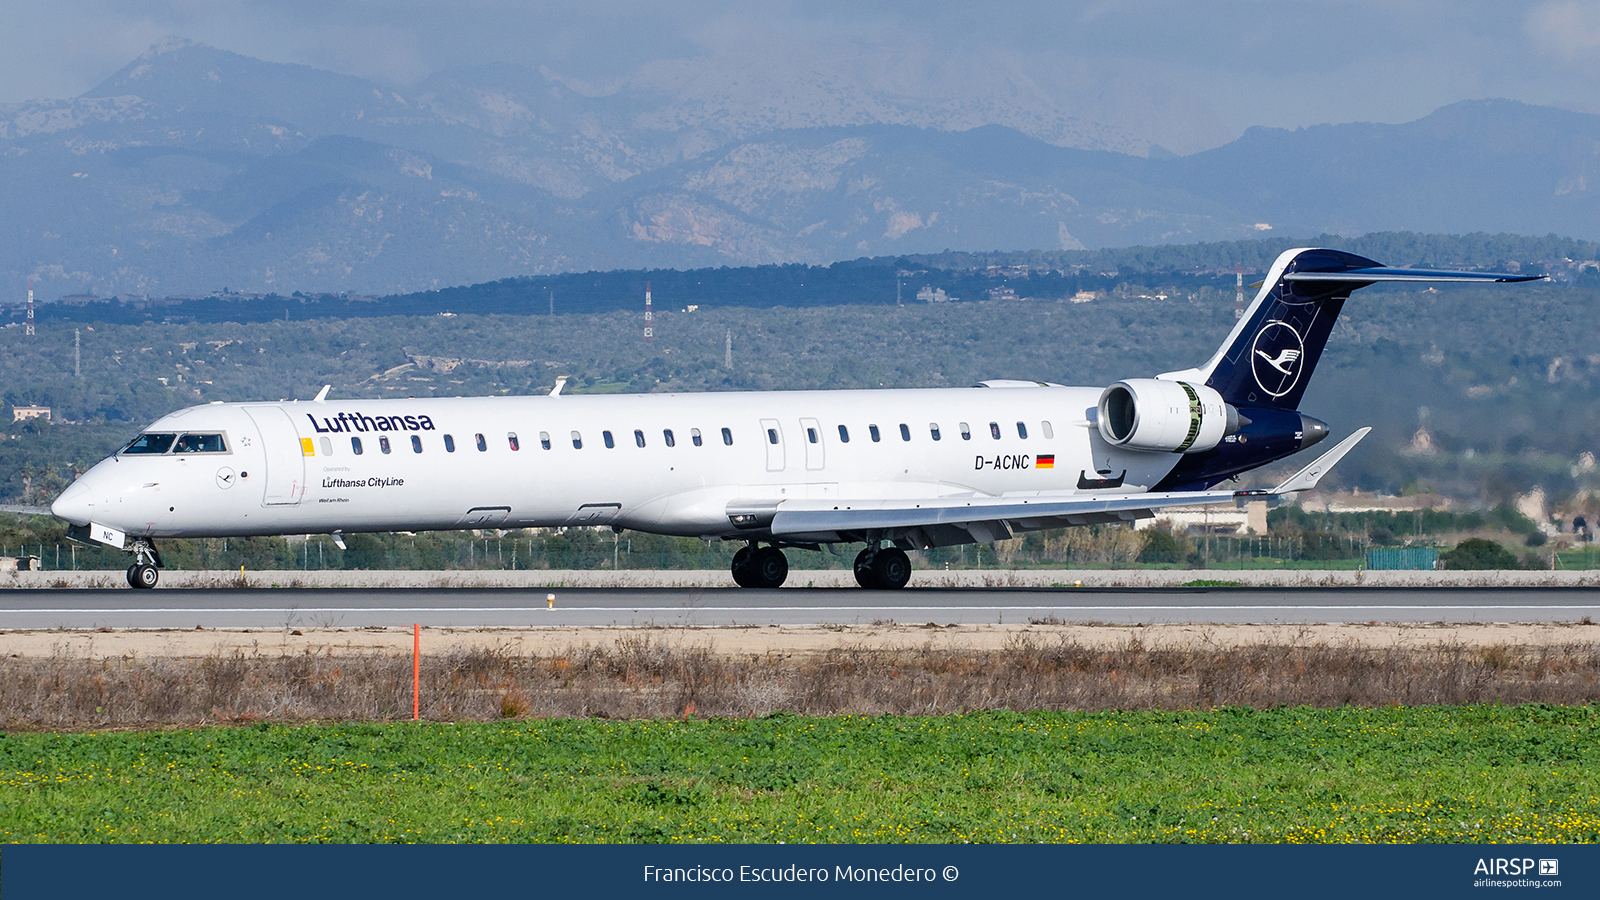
(193, 169)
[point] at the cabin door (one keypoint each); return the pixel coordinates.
(285, 455)
(811, 433)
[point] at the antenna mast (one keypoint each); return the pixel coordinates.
(649, 330)
(727, 358)
(29, 330)
(1238, 295)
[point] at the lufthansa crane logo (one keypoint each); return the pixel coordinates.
(1275, 357)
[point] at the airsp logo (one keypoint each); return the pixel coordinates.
(1275, 357)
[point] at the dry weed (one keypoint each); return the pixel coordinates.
(641, 677)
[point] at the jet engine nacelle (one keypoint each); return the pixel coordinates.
(1175, 416)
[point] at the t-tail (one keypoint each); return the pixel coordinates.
(1260, 372)
(1268, 358)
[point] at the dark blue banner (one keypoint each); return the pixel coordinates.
(343, 872)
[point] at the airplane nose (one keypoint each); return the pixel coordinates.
(74, 504)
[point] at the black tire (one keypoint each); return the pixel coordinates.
(864, 574)
(131, 581)
(771, 567)
(144, 577)
(892, 568)
(744, 568)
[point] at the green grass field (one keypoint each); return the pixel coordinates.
(1524, 774)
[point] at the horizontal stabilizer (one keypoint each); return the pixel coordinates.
(1376, 274)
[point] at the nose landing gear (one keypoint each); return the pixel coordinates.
(146, 568)
(760, 567)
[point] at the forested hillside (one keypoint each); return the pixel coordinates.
(878, 281)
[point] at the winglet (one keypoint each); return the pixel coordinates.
(322, 394)
(1307, 478)
(560, 383)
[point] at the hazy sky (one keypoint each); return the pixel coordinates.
(1252, 62)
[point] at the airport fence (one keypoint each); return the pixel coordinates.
(450, 551)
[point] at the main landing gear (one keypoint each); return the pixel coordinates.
(886, 568)
(760, 567)
(877, 568)
(146, 568)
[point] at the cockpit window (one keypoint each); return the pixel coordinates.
(150, 442)
(200, 443)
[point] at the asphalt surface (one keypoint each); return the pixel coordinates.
(478, 607)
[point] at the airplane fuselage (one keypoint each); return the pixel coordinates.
(669, 464)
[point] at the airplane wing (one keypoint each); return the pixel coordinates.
(962, 519)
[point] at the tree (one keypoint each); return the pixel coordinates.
(1478, 553)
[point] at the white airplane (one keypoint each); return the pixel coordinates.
(896, 469)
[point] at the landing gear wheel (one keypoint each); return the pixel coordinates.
(143, 576)
(892, 569)
(744, 573)
(771, 567)
(864, 574)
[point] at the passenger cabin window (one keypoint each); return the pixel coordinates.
(873, 430)
(905, 432)
(416, 443)
(666, 435)
(772, 435)
(1022, 430)
(638, 438)
(811, 435)
(844, 435)
(449, 444)
(383, 443)
(544, 439)
(327, 446)
(694, 436)
(1048, 432)
(483, 445)
(511, 440)
(150, 443)
(577, 441)
(355, 445)
(200, 443)
(611, 444)
(727, 437)
(933, 429)
(994, 430)
(966, 432)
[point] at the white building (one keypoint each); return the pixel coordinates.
(1218, 518)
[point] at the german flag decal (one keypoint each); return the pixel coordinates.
(1045, 461)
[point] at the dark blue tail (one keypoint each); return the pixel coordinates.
(1271, 353)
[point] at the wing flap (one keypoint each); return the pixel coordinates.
(815, 517)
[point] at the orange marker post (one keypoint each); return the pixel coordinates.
(416, 671)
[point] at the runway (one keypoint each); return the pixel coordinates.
(40, 609)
